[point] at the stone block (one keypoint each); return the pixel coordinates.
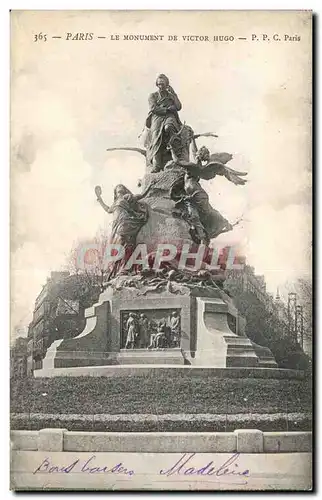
(249, 441)
(150, 357)
(92, 344)
(51, 439)
(24, 440)
(151, 442)
(217, 344)
(287, 442)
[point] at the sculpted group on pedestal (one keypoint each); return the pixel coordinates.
(140, 332)
(170, 147)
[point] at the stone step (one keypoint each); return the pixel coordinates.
(238, 350)
(139, 352)
(237, 341)
(243, 360)
(267, 363)
(241, 352)
(150, 356)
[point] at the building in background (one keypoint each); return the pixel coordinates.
(59, 312)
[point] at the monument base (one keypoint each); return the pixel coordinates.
(210, 333)
(154, 370)
(151, 357)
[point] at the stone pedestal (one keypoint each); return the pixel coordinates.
(217, 345)
(212, 332)
(93, 347)
(162, 226)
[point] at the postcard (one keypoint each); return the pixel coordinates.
(161, 229)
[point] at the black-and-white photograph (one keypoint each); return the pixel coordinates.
(161, 250)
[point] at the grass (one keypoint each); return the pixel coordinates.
(159, 396)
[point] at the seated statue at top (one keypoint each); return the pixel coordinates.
(162, 122)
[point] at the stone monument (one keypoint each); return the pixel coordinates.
(159, 306)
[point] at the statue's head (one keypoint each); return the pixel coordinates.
(119, 191)
(203, 154)
(162, 82)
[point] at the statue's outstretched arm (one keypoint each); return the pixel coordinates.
(105, 207)
(206, 134)
(137, 150)
(98, 192)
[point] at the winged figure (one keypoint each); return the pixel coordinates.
(207, 166)
(192, 200)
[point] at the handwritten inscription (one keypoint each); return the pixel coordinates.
(88, 467)
(184, 466)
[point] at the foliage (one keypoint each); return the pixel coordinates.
(304, 290)
(158, 395)
(264, 328)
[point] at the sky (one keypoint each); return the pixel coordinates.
(72, 99)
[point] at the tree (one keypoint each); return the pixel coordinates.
(18, 357)
(87, 258)
(304, 290)
(265, 328)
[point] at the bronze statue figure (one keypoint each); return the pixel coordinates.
(175, 329)
(129, 215)
(132, 331)
(144, 330)
(171, 144)
(193, 203)
(207, 166)
(192, 200)
(163, 122)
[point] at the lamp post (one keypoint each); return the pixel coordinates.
(299, 324)
(291, 314)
